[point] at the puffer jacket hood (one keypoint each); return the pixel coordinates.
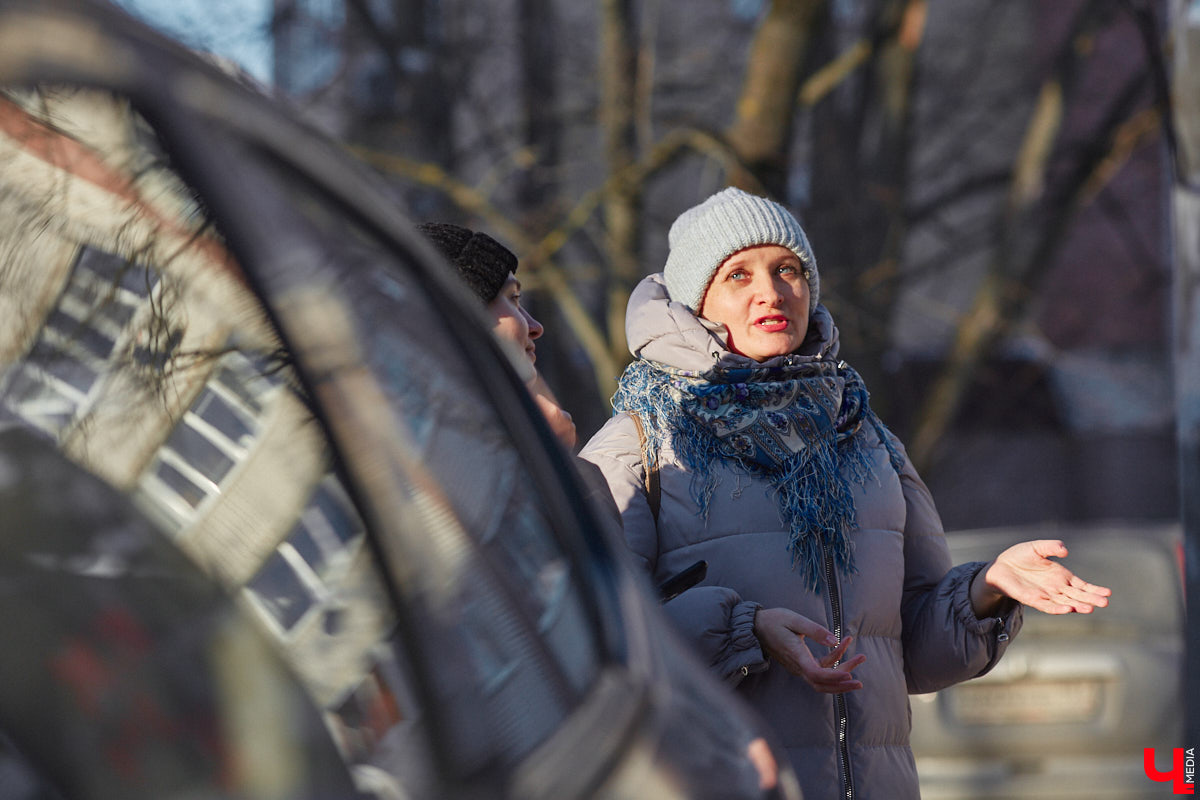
(907, 606)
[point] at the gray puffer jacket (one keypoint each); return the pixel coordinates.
(907, 607)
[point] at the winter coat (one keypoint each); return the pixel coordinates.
(906, 606)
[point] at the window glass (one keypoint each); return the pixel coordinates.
(199, 451)
(128, 334)
(224, 419)
(77, 342)
(505, 625)
(183, 484)
(128, 671)
(194, 411)
(282, 591)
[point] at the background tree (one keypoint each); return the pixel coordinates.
(982, 182)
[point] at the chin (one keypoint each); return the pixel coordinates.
(775, 351)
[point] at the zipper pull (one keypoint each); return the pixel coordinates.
(1001, 634)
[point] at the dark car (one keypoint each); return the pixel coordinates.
(1069, 710)
(280, 520)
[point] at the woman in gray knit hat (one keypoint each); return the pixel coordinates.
(741, 439)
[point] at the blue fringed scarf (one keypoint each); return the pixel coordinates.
(797, 426)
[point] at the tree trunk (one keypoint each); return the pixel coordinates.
(761, 133)
(622, 198)
(1019, 259)
(541, 132)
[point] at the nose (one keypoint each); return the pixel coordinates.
(768, 289)
(535, 327)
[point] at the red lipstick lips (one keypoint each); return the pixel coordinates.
(772, 324)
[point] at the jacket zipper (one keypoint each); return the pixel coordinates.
(839, 701)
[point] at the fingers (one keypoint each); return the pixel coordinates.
(1080, 596)
(760, 756)
(806, 627)
(833, 675)
(783, 634)
(1049, 606)
(1049, 548)
(1025, 573)
(835, 655)
(770, 620)
(835, 680)
(1075, 597)
(1083, 593)
(1080, 585)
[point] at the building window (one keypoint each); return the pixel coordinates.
(214, 435)
(60, 378)
(296, 579)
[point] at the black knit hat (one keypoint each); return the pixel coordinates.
(483, 262)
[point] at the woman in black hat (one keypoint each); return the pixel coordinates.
(489, 268)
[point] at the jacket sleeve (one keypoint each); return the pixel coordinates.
(717, 622)
(720, 626)
(944, 642)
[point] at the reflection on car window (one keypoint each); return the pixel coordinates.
(505, 631)
(128, 337)
(132, 341)
(58, 380)
(216, 432)
(293, 580)
(19, 778)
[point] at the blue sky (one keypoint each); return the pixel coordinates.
(236, 29)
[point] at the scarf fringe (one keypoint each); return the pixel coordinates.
(812, 487)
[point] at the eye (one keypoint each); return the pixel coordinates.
(736, 275)
(787, 269)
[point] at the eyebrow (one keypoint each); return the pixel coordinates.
(734, 262)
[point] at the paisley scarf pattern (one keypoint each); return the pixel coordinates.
(796, 425)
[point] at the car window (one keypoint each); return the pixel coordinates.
(504, 626)
(130, 339)
(127, 671)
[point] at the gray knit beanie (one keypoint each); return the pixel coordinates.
(702, 237)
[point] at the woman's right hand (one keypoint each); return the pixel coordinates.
(782, 632)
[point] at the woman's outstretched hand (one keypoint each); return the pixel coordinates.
(782, 632)
(1025, 573)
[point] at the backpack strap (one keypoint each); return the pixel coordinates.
(649, 468)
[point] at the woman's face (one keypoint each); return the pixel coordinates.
(513, 322)
(761, 296)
